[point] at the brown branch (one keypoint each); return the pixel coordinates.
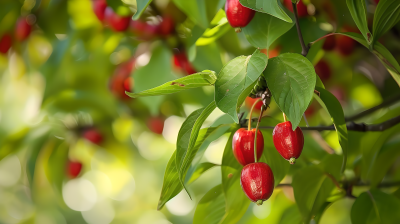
(304, 48)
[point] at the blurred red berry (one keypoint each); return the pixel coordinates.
(330, 43)
(339, 92)
(5, 43)
(128, 84)
(143, 30)
(22, 29)
(93, 136)
(166, 27)
(74, 168)
(99, 9)
(250, 101)
(310, 110)
(345, 45)
(376, 1)
(116, 22)
(156, 125)
(121, 80)
(182, 62)
(323, 70)
(301, 8)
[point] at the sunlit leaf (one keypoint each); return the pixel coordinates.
(211, 207)
(387, 14)
(359, 14)
(271, 7)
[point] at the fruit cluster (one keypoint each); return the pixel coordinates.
(22, 30)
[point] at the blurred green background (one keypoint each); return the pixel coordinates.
(62, 105)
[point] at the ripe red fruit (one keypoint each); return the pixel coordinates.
(143, 30)
(330, 43)
(271, 53)
(257, 181)
(156, 125)
(22, 29)
(301, 8)
(118, 23)
(121, 80)
(99, 9)
(166, 27)
(93, 135)
(345, 45)
(250, 101)
(128, 84)
(238, 16)
(5, 43)
(182, 62)
(289, 143)
(243, 145)
(74, 168)
(323, 70)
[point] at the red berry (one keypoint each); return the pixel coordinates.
(301, 8)
(166, 27)
(330, 43)
(93, 135)
(121, 80)
(5, 43)
(257, 181)
(22, 29)
(99, 9)
(323, 70)
(345, 45)
(118, 23)
(238, 15)
(156, 125)
(143, 30)
(181, 61)
(128, 84)
(74, 168)
(250, 101)
(243, 145)
(289, 143)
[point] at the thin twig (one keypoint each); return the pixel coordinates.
(304, 48)
(383, 184)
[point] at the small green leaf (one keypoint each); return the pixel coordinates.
(267, 6)
(359, 14)
(332, 105)
(200, 169)
(141, 7)
(204, 78)
(375, 207)
(387, 14)
(264, 29)
(234, 78)
(291, 79)
(187, 136)
(220, 27)
(211, 207)
(236, 201)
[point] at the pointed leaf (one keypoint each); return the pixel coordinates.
(141, 7)
(267, 6)
(211, 207)
(359, 14)
(387, 14)
(200, 169)
(291, 79)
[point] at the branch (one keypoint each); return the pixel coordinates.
(386, 103)
(383, 184)
(304, 48)
(360, 127)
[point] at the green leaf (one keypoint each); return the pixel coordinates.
(387, 14)
(291, 79)
(359, 14)
(264, 29)
(200, 169)
(267, 6)
(155, 73)
(141, 7)
(234, 78)
(204, 78)
(188, 134)
(119, 7)
(375, 207)
(332, 105)
(210, 35)
(195, 10)
(291, 216)
(211, 207)
(55, 168)
(236, 201)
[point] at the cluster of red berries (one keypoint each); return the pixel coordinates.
(22, 30)
(257, 178)
(141, 29)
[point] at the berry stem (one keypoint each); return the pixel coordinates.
(304, 48)
(315, 41)
(251, 113)
(255, 134)
(284, 117)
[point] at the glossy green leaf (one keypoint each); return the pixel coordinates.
(271, 7)
(236, 201)
(387, 14)
(264, 29)
(332, 105)
(211, 207)
(234, 78)
(141, 6)
(200, 169)
(187, 137)
(375, 207)
(204, 78)
(195, 10)
(220, 27)
(291, 215)
(359, 14)
(291, 79)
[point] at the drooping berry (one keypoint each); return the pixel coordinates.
(156, 125)
(74, 169)
(22, 29)
(243, 145)
(323, 70)
(289, 143)
(238, 16)
(5, 43)
(116, 22)
(166, 27)
(93, 135)
(99, 9)
(257, 181)
(330, 43)
(182, 62)
(250, 101)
